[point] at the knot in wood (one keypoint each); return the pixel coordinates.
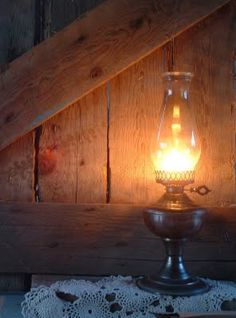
(96, 72)
(137, 23)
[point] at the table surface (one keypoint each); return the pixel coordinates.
(10, 306)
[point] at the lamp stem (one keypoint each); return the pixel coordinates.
(174, 267)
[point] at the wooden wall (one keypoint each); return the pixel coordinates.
(22, 25)
(98, 150)
(17, 21)
(72, 146)
(135, 102)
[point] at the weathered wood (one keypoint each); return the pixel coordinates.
(136, 97)
(73, 152)
(93, 239)
(16, 162)
(17, 29)
(135, 101)
(14, 283)
(59, 71)
(16, 170)
(207, 50)
(73, 144)
(63, 12)
(17, 35)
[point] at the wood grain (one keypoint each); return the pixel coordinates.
(91, 239)
(84, 55)
(17, 160)
(73, 152)
(73, 144)
(16, 170)
(63, 12)
(134, 110)
(10, 283)
(17, 29)
(135, 101)
(17, 35)
(207, 50)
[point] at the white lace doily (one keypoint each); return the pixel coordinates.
(118, 297)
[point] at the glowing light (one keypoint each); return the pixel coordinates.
(176, 112)
(174, 160)
(176, 128)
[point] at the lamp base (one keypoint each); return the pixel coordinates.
(175, 220)
(193, 286)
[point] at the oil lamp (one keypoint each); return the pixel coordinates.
(175, 218)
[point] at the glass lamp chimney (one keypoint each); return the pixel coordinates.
(178, 147)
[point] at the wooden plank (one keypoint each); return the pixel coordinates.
(63, 12)
(73, 152)
(85, 55)
(14, 283)
(136, 95)
(211, 44)
(17, 35)
(135, 101)
(109, 266)
(16, 162)
(92, 239)
(73, 144)
(17, 29)
(16, 170)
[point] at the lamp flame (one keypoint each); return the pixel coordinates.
(174, 160)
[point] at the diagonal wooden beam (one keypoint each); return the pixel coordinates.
(87, 53)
